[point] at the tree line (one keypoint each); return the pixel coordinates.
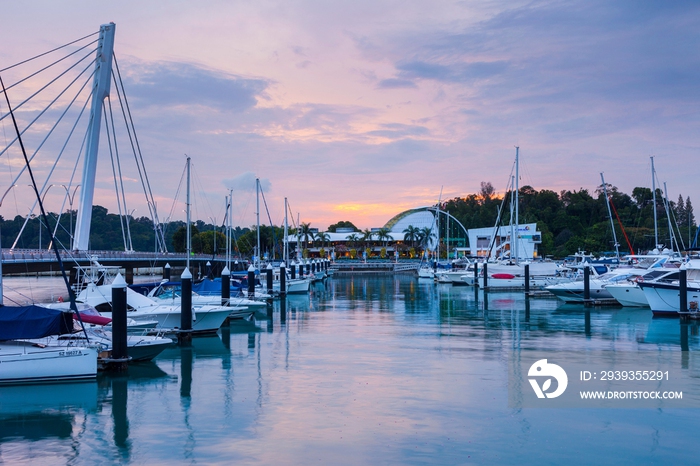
(578, 219)
(569, 220)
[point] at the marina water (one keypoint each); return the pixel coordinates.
(365, 370)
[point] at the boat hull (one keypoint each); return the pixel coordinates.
(628, 295)
(664, 299)
(22, 362)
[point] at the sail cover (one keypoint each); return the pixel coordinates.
(24, 322)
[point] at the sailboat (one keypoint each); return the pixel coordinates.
(510, 273)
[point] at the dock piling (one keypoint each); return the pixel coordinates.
(185, 333)
(119, 338)
(225, 286)
(283, 279)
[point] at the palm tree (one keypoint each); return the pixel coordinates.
(323, 237)
(367, 235)
(352, 239)
(426, 234)
(383, 234)
(411, 234)
(305, 232)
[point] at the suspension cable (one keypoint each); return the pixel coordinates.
(114, 173)
(144, 176)
(46, 53)
(75, 166)
(57, 159)
(121, 178)
(47, 107)
(52, 64)
(50, 83)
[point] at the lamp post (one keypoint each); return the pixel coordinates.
(6, 193)
(71, 197)
(43, 197)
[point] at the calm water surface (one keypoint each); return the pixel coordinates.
(365, 370)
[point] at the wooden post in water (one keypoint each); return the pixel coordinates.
(293, 269)
(486, 275)
(225, 287)
(283, 279)
(527, 279)
(308, 267)
(586, 284)
(476, 274)
(268, 275)
(166, 272)
(251, 282)
(119, 340)
(129, 272)
(683, 291)
(185, 333)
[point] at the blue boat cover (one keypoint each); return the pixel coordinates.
(209, 287)
(20, 322)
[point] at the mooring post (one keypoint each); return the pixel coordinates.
(268, 273)
(166, 272)
(283, 279)
(527, 279)
(225, 287)
(683, 291)
(186, 306)
(586, 284)
(486, 275)
(476, 273)
(119, 345)
(129, 272)
(251, 282)
(308, 267)
(292, 270)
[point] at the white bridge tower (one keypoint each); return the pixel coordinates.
(101, 87)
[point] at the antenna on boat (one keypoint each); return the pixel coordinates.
(71, 294)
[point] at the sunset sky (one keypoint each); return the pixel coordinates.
(357, 110)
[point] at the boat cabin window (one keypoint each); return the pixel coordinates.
(654, 274)
(670, 277)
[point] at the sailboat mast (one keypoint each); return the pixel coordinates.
(187, 209)
(512, 217)
(286, 227)
(517, 183)
(257, 215)
(612, 225)
(653, 191)
(671, 236)
(437, 224)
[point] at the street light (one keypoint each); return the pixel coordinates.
(70, 202)
(43, 197)
(6, 193)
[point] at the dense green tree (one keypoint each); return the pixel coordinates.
(342, 224)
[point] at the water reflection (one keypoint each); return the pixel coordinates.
(364, 369)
